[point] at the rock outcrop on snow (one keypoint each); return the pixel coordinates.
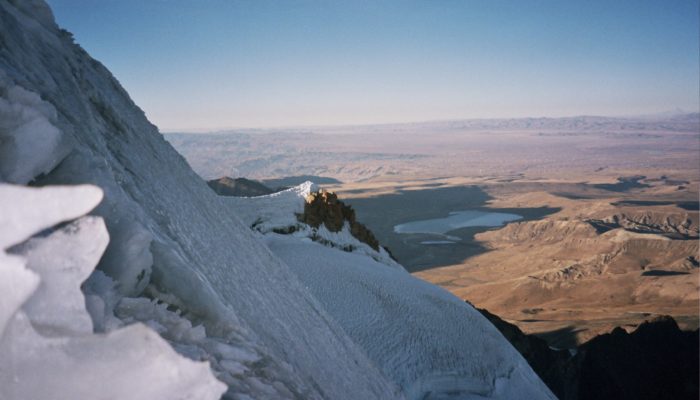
(323, 207)
(285, 212)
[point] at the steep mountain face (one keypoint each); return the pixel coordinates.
(171, 239)
(174, 258)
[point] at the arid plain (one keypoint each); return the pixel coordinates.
(588, 261)
(608, 234)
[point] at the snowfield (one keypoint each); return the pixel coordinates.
(431, 343)
(428, 341)
(167, 291)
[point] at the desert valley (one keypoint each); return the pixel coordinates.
(603, 226)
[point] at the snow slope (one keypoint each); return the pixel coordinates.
(429, 342)
(177, 259)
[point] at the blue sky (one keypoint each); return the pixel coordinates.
(210, 64)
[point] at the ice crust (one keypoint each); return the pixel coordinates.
(17, 283)
(129, 363)
(63, 261)
(47, 348)
(57, 204)
(30, 143)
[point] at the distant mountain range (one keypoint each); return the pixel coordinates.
(674, 120)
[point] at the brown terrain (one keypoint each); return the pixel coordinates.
(586, 257)
(599, 262)
(609, 234)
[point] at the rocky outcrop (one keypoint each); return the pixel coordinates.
(238, 187)
(545, 231)
(656, 361)
(673, 225)
(553, 366)
(323, 207)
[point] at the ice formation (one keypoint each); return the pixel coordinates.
(47, 346)
(181, 277)
(29, 142)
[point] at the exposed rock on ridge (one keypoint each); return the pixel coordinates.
(323, 207)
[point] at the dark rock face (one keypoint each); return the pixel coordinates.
(239, 187)
(324, 208)
(656, 361)
(552, 366)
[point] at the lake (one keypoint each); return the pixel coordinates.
(456, 220)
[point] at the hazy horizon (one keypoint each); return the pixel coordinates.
(659, 115)
(203, 66)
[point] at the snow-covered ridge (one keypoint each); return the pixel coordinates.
(432, 344)
(279, 213)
